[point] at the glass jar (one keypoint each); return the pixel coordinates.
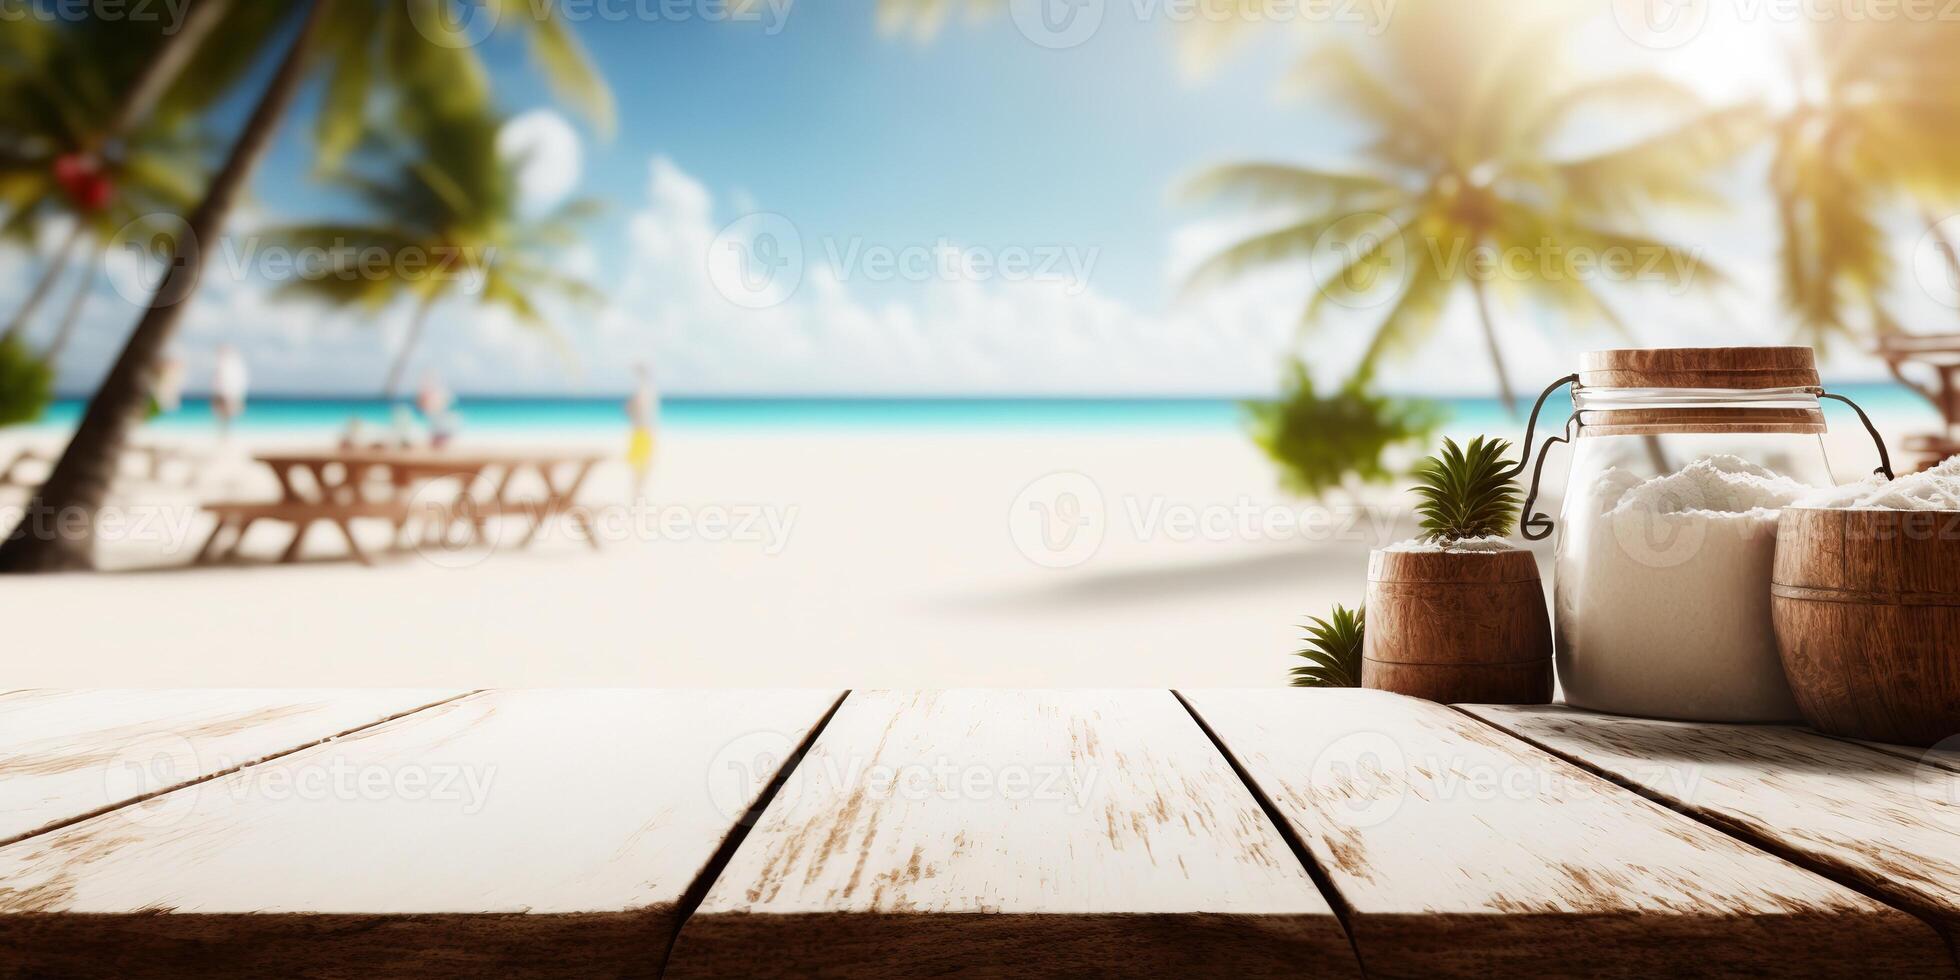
(1682, 459)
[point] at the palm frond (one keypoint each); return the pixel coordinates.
(1413, 317)
(1264, 183)
(1467, 492)
(570, 72)
(1333, 651)
(1671, 168)
(1291, 241)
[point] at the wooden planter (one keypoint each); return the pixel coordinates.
(1458, 628)
(1867, 611)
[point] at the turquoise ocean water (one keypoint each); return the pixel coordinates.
(515, 415)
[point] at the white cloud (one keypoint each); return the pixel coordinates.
(1021, 331)
(549, 155)
(843, 331)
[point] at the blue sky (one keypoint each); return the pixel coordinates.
(975, 140)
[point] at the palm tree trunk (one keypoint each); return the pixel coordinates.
(1504, 392)
(74, 313)
(1945, 245)
(46, 285)
(161, 72)
(46, 538)
(394, 382)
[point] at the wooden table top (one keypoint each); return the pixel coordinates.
(1002, 833)
(426, 458)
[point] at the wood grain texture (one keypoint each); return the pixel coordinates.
(510, 833)
(1887, 824)
(68, 754)
(1713, 420)
(1866, 606)
(1013, 833)
(1460, 851)
(1699, 367)
(1458, 626)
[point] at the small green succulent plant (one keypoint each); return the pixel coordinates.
(1333, 651)
(1467, 492)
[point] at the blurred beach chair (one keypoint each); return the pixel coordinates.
(26, 470)
(1941, 352)
(157, 463)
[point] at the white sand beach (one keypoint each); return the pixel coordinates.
(891, 558)
(819, 559)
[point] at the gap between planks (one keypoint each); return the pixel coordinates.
(1735, 829)
(1301, 853)
(70, 821)
(1937, 758)
(697, 890)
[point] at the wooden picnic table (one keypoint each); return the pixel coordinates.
(997, 833)
(446, 489)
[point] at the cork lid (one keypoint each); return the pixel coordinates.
(1735, 368)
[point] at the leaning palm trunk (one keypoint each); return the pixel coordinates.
(1504, 391)
(73, 316)
(161, 72)
(393, 386)
(80, 481)
(46, 285)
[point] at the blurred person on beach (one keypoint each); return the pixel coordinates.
(229, 381)
(434, 400)
(643, 414)
(168, 395)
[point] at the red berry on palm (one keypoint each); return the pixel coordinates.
(95, 193)
(70, 170)
(80, 177)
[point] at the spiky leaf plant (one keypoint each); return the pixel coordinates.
(1467, 492)
(1333, 651)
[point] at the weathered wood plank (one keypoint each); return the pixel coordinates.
(1011, 833)
(1461, 851)
(1948, 758)
(1889, 825)
(68, 754)
(506, 833)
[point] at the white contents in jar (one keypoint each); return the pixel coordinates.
(1934, 489)
(1664, 600)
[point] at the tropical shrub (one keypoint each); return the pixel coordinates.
(1321, 442)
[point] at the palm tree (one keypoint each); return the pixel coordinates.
(74, 147)
(158, 177)
(1465, 109)
(439, 191)
(378, 46)
(80, 480)
(1873, 135)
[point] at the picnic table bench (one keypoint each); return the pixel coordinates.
(31, 465)
(999, 833)
(444, 489)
